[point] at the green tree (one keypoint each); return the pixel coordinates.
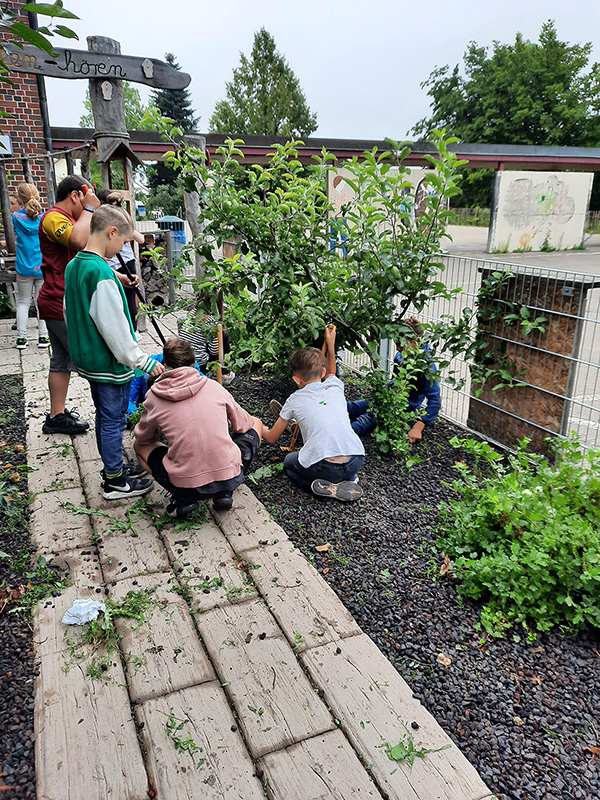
(264, 97)
(135, 110)
(176, 105)
(544, 93)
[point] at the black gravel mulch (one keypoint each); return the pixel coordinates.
(523, 713)
(16, 647)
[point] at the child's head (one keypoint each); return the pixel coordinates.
(307, 364)
(29, 197)
(412, 335)
(14, 203)
(114, 226)
(177, 353)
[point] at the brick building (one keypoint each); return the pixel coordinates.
(25, 126)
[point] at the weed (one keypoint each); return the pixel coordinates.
(406, 750)
(187, 745)
(40, 582)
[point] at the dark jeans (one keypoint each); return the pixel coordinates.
(362, 423)
(111, 401)
(248, 443)
(130, 294)
(327, 470)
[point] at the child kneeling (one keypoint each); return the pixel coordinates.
(201, 460)
(332, 454)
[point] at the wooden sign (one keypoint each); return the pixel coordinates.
(86, 64)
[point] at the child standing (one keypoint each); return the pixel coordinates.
(194, 414)
(332, 454)
(28, 263)
(102, 343)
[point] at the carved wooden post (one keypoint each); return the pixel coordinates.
(192, 205)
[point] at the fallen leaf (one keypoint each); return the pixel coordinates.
(322, 548)
(446, 566)
(537, 679)
(15, 477)
(595, 751)
(257, 378)
(443, 659)
(518, 721)
(326, 570)
(19, 448)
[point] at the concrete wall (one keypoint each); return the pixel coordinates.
(538, 210)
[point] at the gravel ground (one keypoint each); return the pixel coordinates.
(16, 647)
(522, 713)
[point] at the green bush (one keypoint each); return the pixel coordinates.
(524, 535)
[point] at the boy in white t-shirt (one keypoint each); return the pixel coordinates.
(333, 454)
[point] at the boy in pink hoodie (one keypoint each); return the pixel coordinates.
(202, 459)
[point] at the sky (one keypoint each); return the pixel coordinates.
(360, 64)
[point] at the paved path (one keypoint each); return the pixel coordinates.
(249, 679)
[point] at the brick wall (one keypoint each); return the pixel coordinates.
(25, 126)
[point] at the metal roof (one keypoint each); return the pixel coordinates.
(149, 146)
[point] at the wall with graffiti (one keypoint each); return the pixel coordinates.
(538, 211)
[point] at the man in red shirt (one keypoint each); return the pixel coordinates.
(64, 230)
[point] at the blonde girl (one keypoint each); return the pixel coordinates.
(26, 222)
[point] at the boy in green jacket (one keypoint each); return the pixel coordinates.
(102, 343)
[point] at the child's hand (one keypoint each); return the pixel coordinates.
(158, 370)
(330, 335)
(415, 434)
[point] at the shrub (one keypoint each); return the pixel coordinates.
(524, 534)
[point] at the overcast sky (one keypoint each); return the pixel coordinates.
(359, 63)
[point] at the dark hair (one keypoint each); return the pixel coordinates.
(308, 362)
(109, 196)
(177, 353)
(72, 183)
(105, 216)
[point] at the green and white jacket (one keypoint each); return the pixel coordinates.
(102, 342)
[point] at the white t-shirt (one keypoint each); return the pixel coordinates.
(321, 411)
(126, 254)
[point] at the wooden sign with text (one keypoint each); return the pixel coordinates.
(86, 64)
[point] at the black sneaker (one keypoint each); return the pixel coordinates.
(181, 510)
(74, 415)
(122, 487)
(64, 423)
(223, 503)
(346, 491)
(21, 343)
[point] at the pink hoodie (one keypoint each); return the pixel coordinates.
(192, 413)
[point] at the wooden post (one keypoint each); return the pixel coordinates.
(70, 163)
(192, 205)
(27, 175)
(9, 233)
(50, 182)
(85, 164)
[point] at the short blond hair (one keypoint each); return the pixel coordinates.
(106, 216)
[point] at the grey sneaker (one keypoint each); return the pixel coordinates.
(346, 491)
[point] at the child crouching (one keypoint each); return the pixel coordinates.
(201, 459)
(332, 454)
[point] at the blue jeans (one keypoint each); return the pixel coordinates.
(362, 423)
(327, 470)
(111, 401)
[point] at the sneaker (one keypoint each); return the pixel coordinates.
(228, 379)
(275, 409)
(64, 423)
(21, 343)
(43, 341)
(181, 510)
(74, 415)
(129, 471)
(346, 491)
(121, 487)
(223, 503)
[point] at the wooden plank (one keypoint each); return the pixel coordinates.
(261, 672)
(164, 653)
(207, 566)
(53, 528)
(10, 362)
(307, 609)
(55, 469)
(74, 64)
(132, 552)
(82, 564)
(36, 361)
(322, 768)
(248, 523)
(86, 447)
(219, 769)
(374, 706)
(86, 743)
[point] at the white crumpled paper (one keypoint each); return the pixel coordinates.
(83, 611)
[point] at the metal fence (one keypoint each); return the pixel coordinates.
(557, 388)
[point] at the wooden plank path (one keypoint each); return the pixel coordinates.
(248, 678)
